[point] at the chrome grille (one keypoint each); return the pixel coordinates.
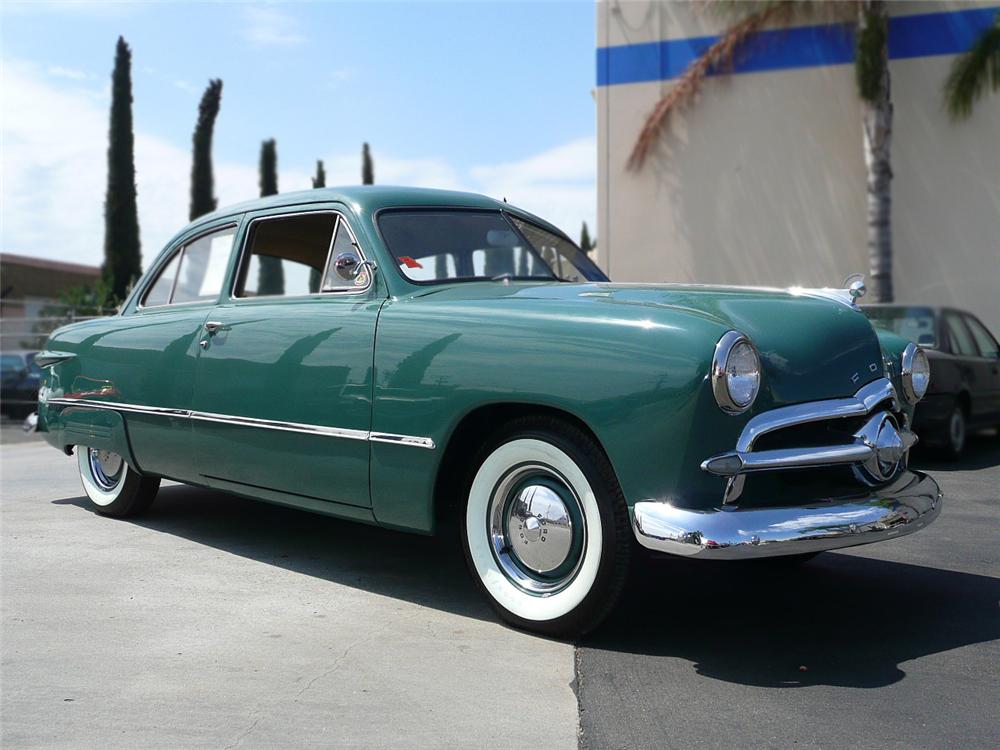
(819, 434)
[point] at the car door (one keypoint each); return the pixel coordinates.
(975, 374)
(989, 363)
(283, 391)
(143, 361)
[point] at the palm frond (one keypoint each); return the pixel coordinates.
(683, 92)
(972, 71)
(753, 17)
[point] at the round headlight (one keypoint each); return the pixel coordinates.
(916, 373)
(735, 373)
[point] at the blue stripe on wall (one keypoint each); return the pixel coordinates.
(921, 35)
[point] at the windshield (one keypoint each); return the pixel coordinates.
(444, 245)
(913, 323)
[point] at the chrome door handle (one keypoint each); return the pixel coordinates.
(212, 326)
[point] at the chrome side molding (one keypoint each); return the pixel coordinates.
(238, 421)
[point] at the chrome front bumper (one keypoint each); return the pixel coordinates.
(907, 505)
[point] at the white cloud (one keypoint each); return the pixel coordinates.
(59, 71)
(268, 26)
(558, 184)
(185, 86)
(54, 166)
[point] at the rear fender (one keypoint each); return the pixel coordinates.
(92, 428)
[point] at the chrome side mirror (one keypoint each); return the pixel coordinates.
(349, 266)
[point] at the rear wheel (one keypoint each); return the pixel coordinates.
(114, 488)
(546, 531)
(955, 436)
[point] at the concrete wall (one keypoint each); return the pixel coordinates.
(763, 180)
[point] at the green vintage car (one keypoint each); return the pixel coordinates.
(410, 358)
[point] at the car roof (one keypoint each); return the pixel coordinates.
(367, 199)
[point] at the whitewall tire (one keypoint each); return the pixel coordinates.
(113, 487)
(545, 529)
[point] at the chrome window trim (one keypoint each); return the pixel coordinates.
(323, 292)
(238, 421)
(179, 254)
(720, 384)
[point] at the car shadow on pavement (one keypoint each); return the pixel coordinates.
(840, 620)
(982, 451)
(419, 569)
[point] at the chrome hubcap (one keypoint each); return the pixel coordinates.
(540, 528)
(536, 529)
(106, 467)
(957, 429)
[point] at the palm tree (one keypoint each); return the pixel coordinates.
(972, 71)
(872, 75)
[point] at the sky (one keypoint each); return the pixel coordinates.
(493, 97)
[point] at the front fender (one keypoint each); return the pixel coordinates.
(636, 379)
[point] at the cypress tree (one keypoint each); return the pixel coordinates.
(367, 167)
(202, 181)
(122, 255)
(586, 244)
(319, 181)
(271, 276)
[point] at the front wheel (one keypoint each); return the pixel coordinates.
(546, 532)
(114, 488)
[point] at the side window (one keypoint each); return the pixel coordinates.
(159, 292)
(961, 339)
(203, 267)
(984, 340)
(286, 256)
(195, 273)
(344, 275)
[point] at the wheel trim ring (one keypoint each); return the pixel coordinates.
(517, 573)
(99, 473)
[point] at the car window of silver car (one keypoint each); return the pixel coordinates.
(984, 339)
(961, 339)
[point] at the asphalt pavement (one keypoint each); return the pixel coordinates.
(891, 645)
(219, 622)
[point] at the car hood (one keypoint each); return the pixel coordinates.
(811, 346)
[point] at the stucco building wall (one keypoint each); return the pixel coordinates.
(763, 181)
